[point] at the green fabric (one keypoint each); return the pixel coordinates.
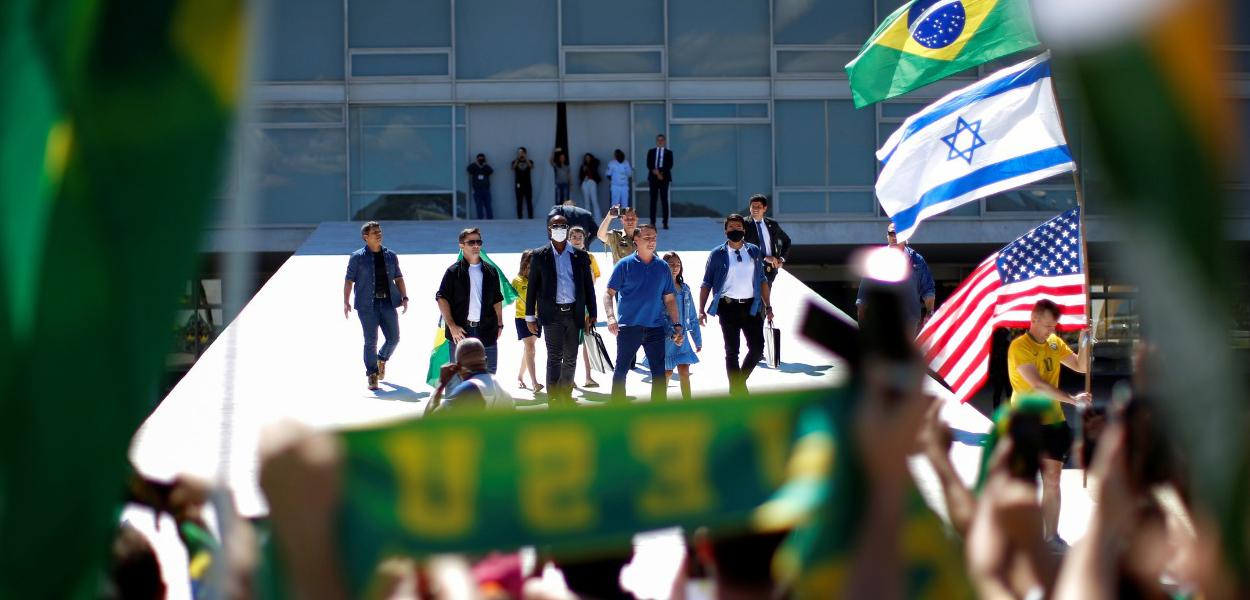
(892, 63)
(115, 117)
(578, 479)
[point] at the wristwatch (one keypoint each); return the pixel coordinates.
(677, 325)
(405, 298)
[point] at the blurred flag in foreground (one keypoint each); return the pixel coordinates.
(997, 134)
(115, 116)
(926, 40)
(1043, 263)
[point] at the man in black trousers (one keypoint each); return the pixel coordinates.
(561, 298)
(659, 175)
(767, 234)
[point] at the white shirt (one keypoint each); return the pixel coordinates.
(475, 292)
(738, 281)
(766, 242)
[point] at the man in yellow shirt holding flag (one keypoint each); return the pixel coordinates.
(1033, 361)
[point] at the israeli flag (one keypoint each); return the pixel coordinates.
(997, 134)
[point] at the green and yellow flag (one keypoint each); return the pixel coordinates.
(926, 40)
(115, 118)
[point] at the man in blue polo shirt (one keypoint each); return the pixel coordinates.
(645, 285)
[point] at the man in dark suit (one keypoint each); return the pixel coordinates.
(659, 175)
(561, 298)
(767, 234)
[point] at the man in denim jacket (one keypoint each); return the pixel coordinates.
(735, 276)
(374, 271)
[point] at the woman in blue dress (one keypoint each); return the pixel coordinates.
(681, 357)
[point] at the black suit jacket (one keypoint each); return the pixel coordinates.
(540, 298)
(455, 290)
(666, 168)
(779, 240)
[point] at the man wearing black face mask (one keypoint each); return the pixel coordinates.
(734, 274)
(479, 176)
(561, 298)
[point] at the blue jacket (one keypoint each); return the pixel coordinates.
(360, 271)
(718, 268)
(688, 314)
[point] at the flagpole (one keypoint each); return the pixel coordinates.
(1085, 263)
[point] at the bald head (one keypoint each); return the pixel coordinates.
(471, 355)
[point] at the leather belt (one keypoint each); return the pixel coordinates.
(565, 307)
(380, 296)
(474, 323)
(737, 300)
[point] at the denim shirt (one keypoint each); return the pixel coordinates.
(360, 271)
(688, 315)
(717, 270)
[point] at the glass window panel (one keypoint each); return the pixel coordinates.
(851, 133)
(302, 40)
(755, 162)
(718, 38)
(753, 111)
(399, 65)
(413, 115)
(800, 129)
(304, 114)
(813, 62)
(648, 121)
(1055, 197)
(822, 21)
(900, 110)
(393, 206)
(800, 203)
(704, 111)
(300, 175)
(459, 114)
(393, 151)
(399, 23)
(715, 203)
(863, 203)
(588, 63)
(707, 155)
(610, 22)
(487, 42)
(461, 164)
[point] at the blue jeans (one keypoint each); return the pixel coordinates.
(492, 351)
(481, 198)
(651, 339)
(378, 313)
(562, 192)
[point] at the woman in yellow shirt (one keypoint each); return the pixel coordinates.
(577, 237)
(521, 284)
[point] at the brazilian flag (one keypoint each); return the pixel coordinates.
(926, 40)
(115, 115)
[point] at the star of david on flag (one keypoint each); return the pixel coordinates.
(997, 134)
(1043, 263)
(972, 141)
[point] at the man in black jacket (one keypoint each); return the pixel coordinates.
(469, 299)
(767, 234)
(561, 298)
(659, 175)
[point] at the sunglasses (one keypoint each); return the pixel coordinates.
(473, 242)
(738, 253)
(559, 226)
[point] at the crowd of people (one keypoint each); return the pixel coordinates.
(590, 173)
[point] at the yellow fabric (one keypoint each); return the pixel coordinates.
(594, 266)
(1047, 357)
(520, 284)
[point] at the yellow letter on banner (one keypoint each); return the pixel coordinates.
(676, 450)
(557, 469)
(772, 441)
(437, 476)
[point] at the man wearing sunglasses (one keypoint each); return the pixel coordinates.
(469, 299)
(379, 289)
(734, 275)
(560, 299)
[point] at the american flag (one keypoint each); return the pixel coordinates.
(1001, 292)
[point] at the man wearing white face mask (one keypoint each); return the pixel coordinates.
(560, 299)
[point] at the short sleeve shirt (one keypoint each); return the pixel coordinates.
(1047, 357)
(620, 244)
(641, 287)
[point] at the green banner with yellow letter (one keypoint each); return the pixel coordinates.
(581, 478)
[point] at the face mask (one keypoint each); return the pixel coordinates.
(559, 235)
(736, 235)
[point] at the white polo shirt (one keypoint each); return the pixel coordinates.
(738, 281)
